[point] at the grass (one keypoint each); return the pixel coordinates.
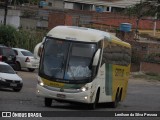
(147, 76)
(149, 33)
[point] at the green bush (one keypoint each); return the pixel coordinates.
(152, 74)
(25, 39)
(7, 35)
(28, 39)
(152, 58)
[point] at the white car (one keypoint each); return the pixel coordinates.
(9, 78)
(25, 59)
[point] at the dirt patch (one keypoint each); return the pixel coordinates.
(143, 78)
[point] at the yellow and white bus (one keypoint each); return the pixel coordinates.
(83, 65)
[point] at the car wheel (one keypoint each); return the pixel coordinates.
(18, 66)
(31, 69)
(17, 89)
(48, 102)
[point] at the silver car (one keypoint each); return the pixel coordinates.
(25, 59)
(9, 78)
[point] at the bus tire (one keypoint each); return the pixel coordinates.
(48, 102)
(18, 66)
(31, 69)
(115, 103)
(93, 106)
(120, 95)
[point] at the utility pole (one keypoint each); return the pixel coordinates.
(5, 11)
(155, 24)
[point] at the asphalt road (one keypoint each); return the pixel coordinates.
(143, 95)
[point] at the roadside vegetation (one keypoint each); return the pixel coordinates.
(26, 39)
(149, 34)
(7, 35)
(146, 8)
(146, 76)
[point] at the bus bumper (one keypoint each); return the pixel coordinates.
(82, 97)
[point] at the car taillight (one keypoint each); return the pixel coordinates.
(0, 58)
(27, 60)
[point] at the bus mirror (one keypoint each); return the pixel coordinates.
(96, 57)
(38, 50)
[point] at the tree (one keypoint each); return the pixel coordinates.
(155, 7)
(144, 8)
(25, 1)
(7, 35)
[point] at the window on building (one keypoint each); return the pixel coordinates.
(108, 9)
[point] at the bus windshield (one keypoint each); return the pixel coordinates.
(66, 60)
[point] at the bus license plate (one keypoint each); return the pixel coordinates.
(13, 85)
(61, 95)
(34, 65)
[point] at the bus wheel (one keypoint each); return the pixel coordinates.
(115, 103)
(48, 102)
(18, 66)
(94, 105)
(120, 95)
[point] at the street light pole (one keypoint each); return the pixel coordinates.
(155, 18)
(155, 24)
(5, 11)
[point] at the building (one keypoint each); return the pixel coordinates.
(34, 19)
(99, 5)
(55, 4)
(91, 5)
(13, 17)
(142, 49)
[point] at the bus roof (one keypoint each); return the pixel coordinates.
(82, 34)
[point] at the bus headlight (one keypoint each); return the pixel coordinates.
(40, 82)
(85, 97)
(83, 89)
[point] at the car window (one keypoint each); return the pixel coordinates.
(6, 69)
(16, 52)
(26, 53)
(8, 52)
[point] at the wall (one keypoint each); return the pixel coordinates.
(55, 4)
(68, 5)
(27, 23)
(13, 17)
(59, 18)
(58, 4)
(30, 23)
(141, 49)
(135, 67)
(150, 67)
(113, 19)
(107, 20)
(68, 17)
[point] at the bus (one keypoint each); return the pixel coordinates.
(83, 65)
